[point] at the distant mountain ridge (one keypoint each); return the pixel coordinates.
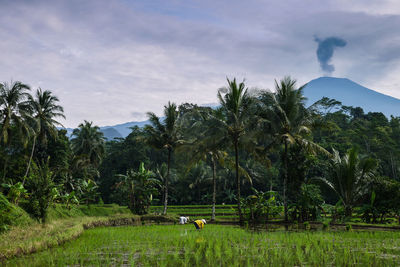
(351, 94)
(116, 131)
(341, 89)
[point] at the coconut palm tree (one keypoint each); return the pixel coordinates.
(165, 134)
(44, 110)
(13, 108)
(205, 147)
(88, 140)
(14, 111)
(289, 122)
(348, 177)
(232, 123)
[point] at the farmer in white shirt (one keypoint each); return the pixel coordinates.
(183, 220)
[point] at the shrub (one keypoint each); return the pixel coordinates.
(41, 185)
(140, 186)
(11, 215)
(325, 225)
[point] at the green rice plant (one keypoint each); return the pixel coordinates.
(325, 225)
(218, 245)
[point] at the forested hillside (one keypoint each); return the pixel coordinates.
(256, 145)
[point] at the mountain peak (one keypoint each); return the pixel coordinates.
(351, 94)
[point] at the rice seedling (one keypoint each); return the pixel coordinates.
(216, 245)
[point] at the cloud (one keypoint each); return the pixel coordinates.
(105, 59)
(325, 52)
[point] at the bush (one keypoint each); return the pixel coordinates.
(325, 225)
(41, 185)
(11, 215)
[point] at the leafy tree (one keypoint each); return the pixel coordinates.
(309, 203)
(40, 184)
(141, 186)
(124, 154)
(165, 135)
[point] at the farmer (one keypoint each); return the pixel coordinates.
(199, 224)
(183, 220)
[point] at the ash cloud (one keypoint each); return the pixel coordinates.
(325, 52)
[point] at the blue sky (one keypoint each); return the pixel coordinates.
(112, 61)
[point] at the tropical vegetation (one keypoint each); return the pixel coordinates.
(267, 152)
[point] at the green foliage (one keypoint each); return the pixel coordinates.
(89, 141)
(325, 225)
(40, 183)
(271, 139)
(383, 199)
(70, 199)
(261, 205)
(290, 123)
(140, 186)
(11, 214)
(309, 203)
(165, 135)
(89, 191)
(349, 176)
(15, 192)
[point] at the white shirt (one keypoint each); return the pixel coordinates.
(183, 220)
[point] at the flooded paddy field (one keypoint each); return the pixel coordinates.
(220, 245)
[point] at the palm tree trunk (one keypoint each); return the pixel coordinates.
(30, 160)
(348, 211)
(238, 181)
(214, 188)
(166, 183)
(5, 167)
(7, 157)
(285, 184)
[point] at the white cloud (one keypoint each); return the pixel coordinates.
(112, 61)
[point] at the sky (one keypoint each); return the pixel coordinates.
(111, 61)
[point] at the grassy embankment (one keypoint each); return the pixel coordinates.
(216, 245)
(22, 235)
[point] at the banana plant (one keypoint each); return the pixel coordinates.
(15, 191)
(89, 191)
(70, 198)
(141, 186)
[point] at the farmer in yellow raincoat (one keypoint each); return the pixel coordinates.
(199, 224)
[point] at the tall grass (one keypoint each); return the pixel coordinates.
(215, 245)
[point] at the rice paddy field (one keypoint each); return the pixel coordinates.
(217, 245)
(222, 212)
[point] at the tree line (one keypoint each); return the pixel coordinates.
(266, 151)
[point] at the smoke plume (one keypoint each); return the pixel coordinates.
(325, 52)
